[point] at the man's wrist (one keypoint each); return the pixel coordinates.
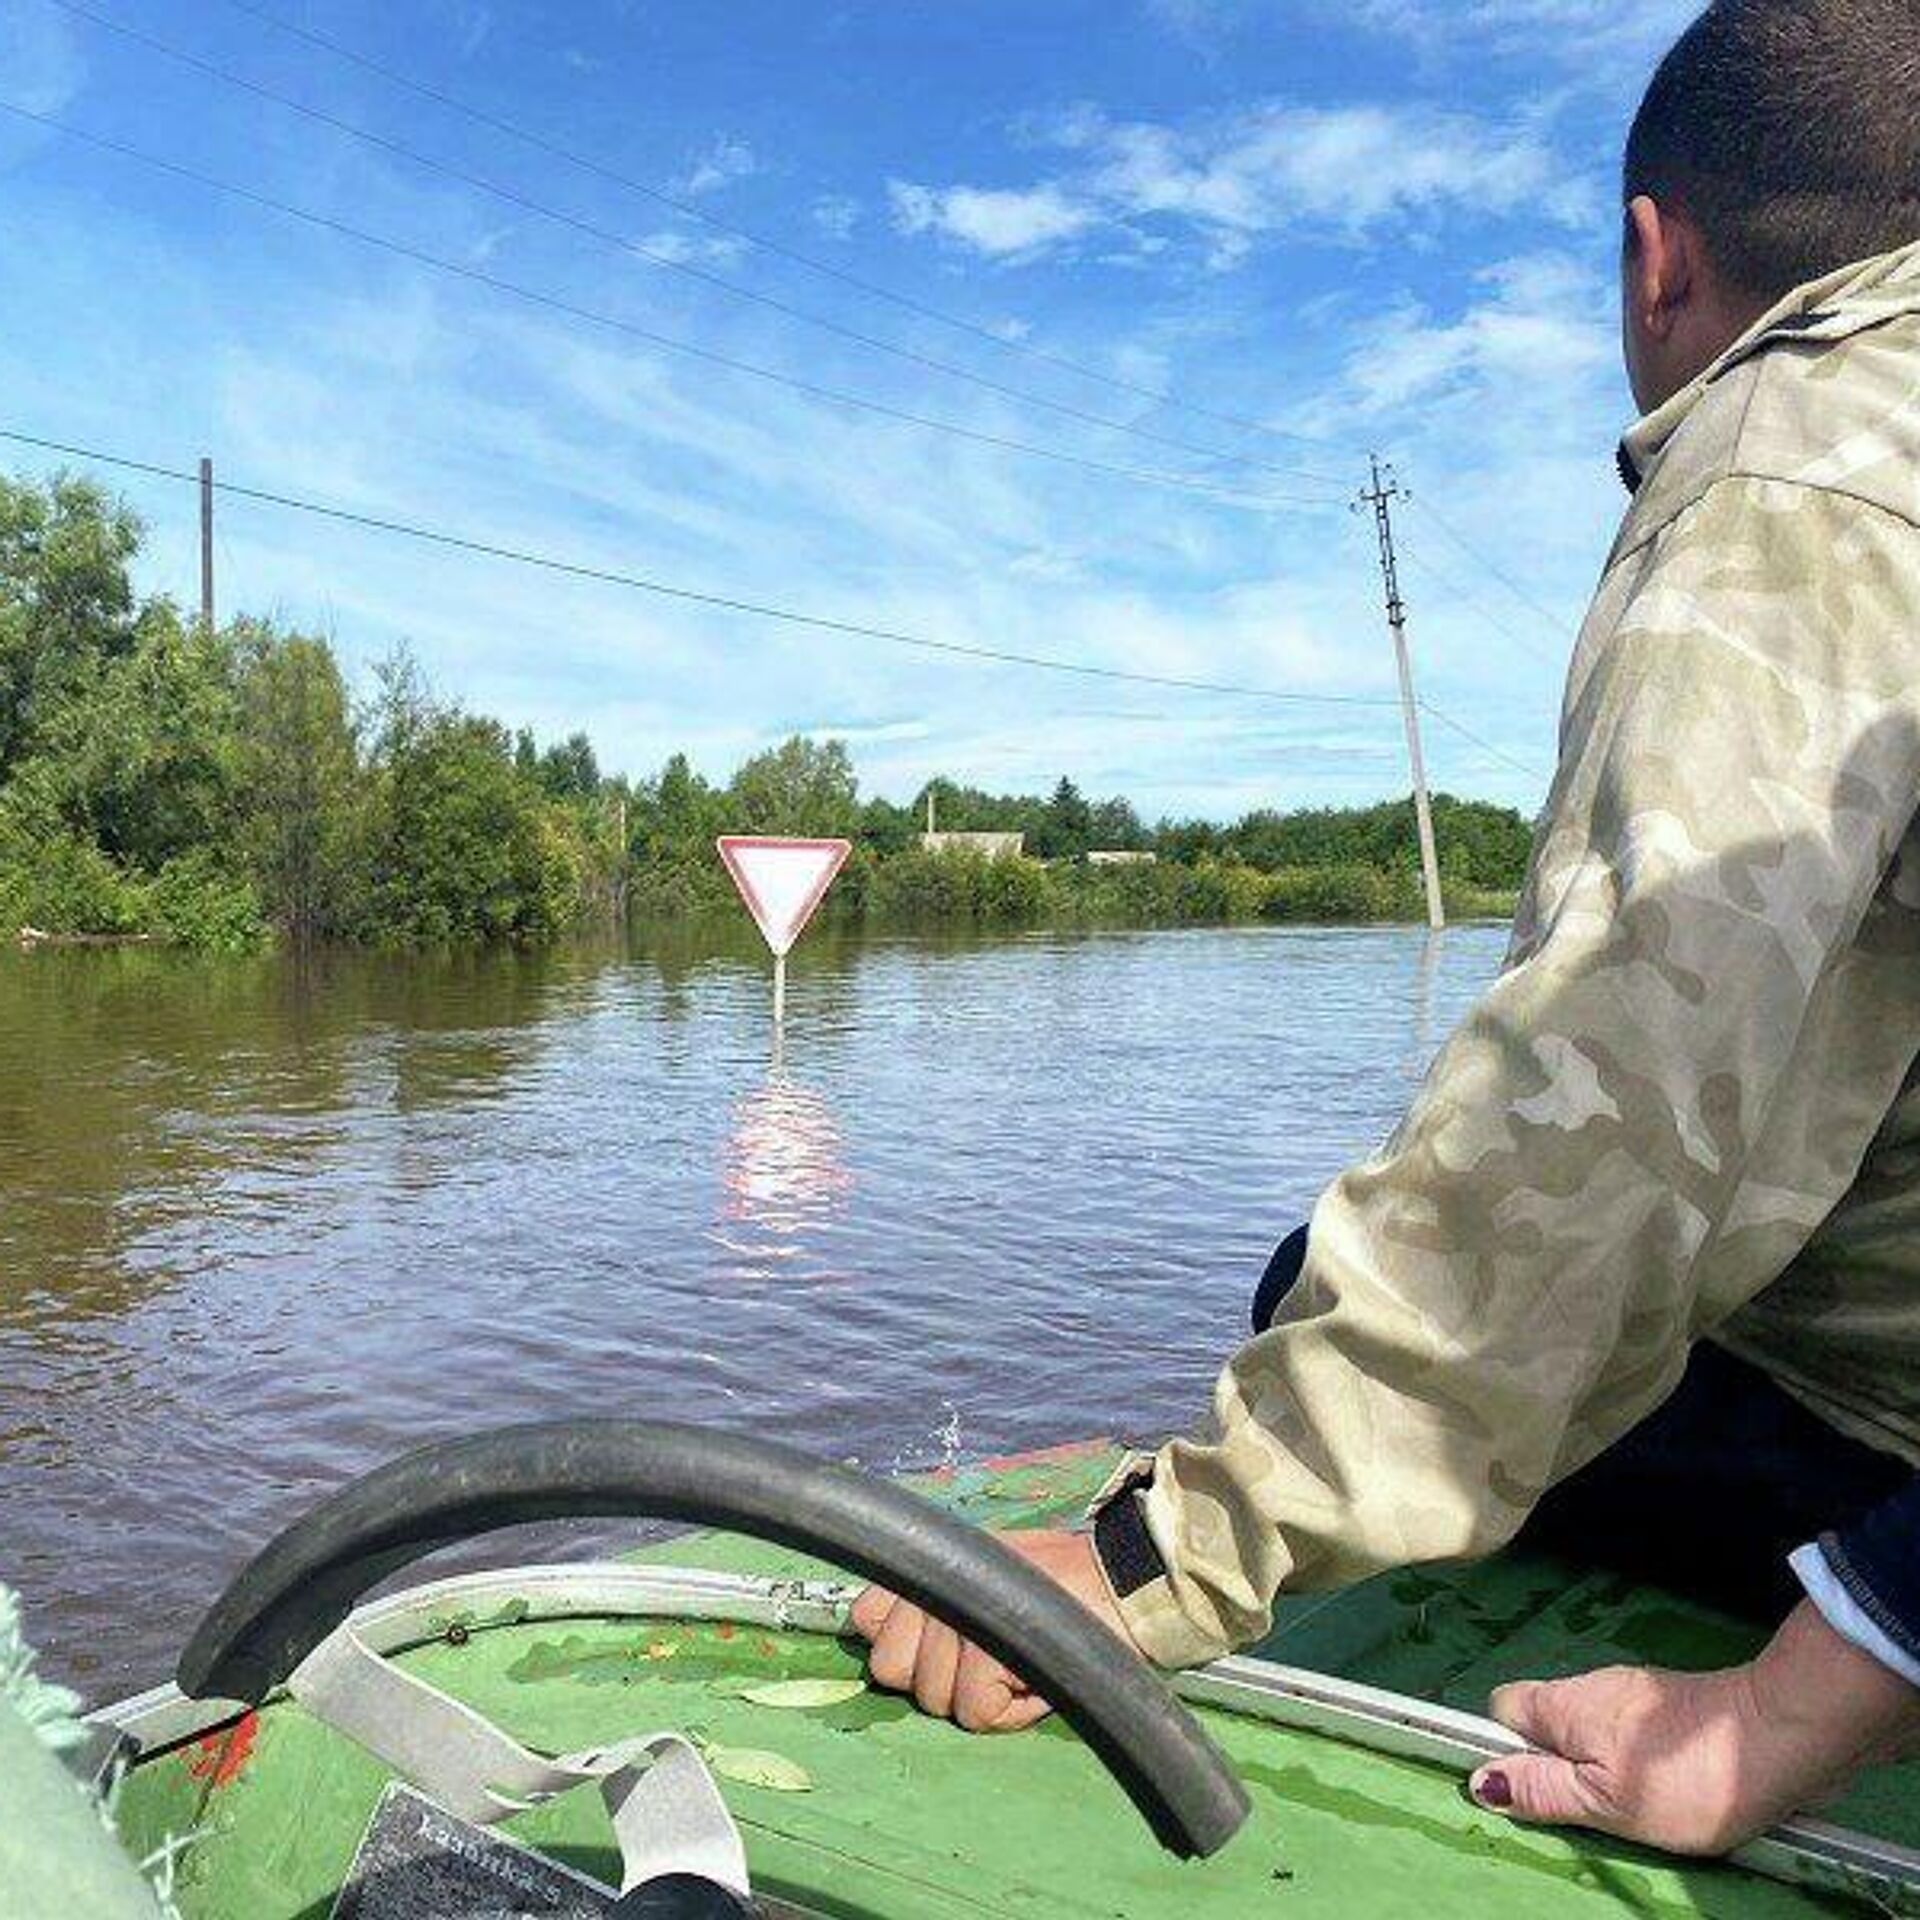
(1812, 1683)
(1841, 1606)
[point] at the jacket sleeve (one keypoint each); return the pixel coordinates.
(1710, 1005)
(1866, 1581)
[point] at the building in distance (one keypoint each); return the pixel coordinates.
(993, 846)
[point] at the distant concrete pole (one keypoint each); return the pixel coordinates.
(929, 806)
(206, 544)
(1380, 496)
(620, 855)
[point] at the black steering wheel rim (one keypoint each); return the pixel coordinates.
(304, 1583)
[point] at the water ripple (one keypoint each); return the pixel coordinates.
(263, 1224)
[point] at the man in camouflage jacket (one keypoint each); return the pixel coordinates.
(1689, 1110)
(1687, 1107)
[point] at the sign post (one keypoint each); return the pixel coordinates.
(782, 882)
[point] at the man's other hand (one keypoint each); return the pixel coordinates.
(1701, 1762)
(953, 1679)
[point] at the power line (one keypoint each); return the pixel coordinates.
(757, 609)
(666, 590)
(512, 197)
(555, 303)
(1483, 743)
(873, 289)
(1454, 587)
(1493, 571)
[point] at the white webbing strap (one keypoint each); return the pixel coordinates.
(667, 1814)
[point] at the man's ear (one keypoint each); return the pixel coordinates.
(1660, 267)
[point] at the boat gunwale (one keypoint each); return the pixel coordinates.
(1814, 1855)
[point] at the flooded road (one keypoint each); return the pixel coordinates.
(263, 1224)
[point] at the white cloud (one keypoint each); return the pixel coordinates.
(678, 247)
(724, 161)
(512, 425)
(1503, 414)
(1275, 168)
(1570, 32)
(1541, 326)
(836, 214)
(1000, 223)
(39, 57)
(476, 24)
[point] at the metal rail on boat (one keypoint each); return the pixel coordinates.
(1811, 1854)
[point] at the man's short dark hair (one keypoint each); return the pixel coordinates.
(1790, 131)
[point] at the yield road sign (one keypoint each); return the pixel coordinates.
(782, 880)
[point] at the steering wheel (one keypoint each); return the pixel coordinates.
(304, 1583)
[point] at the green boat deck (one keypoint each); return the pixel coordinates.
(909, 1817)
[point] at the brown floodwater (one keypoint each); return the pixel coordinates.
(264, 1223)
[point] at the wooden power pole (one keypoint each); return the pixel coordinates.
(206, 544)
(1380, 497)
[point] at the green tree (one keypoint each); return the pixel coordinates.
(142, 752)
(301, 768)
(671, 828)
(886, 829)
(66, 598)
(801, 786)
(462, 847)
(1114, 824)
(1065, 829)
(569, 771)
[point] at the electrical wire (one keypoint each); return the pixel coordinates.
(510, 196)
(1482, 742)
(480, 116)
(555, 303)
(757, 609)
(1493, 571)
(729, 603)
(1472, 599)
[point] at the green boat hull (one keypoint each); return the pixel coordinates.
(907, 1817)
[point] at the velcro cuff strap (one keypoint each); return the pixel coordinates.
(1125, 1546)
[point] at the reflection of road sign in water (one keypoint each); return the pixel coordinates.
(782, 882)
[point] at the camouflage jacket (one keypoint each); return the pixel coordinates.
(1689, 1105)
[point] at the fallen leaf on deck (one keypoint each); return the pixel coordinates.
(755, 1768)
(799, 1694)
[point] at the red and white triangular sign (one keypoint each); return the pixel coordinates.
(782, 881)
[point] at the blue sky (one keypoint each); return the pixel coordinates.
(1367, 223)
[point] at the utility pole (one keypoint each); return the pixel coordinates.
(1380, 497)
(621, 858)
(206, 544)
(929, 807)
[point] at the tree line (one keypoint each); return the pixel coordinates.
(222, 789)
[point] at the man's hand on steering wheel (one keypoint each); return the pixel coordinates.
(953, 1679)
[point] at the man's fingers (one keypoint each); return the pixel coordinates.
(1521, 1707)
(987, 1698)
(1575, 1718)
(870, 1612)
(1022, 1712)
(935, 1666)
(1542, 1789)
(896, 1648)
